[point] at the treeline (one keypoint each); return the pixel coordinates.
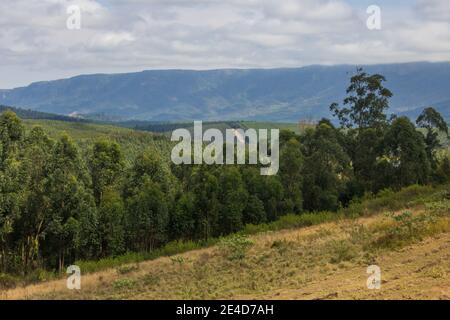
(163, 127)
(32, 114)
(57, 206)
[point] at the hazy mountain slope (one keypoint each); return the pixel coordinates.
(442, 107)
(275, 95)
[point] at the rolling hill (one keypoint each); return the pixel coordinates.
(319, 262)
(257, 94)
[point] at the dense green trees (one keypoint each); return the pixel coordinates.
(291, 175)
(71, 229)
(433, 123)
(325, 170)
(406, 153)
(60, 203)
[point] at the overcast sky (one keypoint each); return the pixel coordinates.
(133, 35)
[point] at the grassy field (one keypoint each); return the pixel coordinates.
(406, 234)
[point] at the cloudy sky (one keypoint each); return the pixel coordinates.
(133, 35)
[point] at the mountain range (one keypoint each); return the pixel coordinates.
(286, 95)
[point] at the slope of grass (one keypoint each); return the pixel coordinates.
(406, 234)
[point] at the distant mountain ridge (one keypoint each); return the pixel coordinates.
(254, 94)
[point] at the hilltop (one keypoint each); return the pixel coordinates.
(286, 95)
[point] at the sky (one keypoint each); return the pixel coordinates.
(134, 35)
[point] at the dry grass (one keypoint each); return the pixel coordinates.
(327, 261)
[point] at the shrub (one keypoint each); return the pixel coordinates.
(127, 269)
(124, 284)
(342, 250)
(8, 281)
(235, 246)
(405, 229)
(178, 260)
(281, 246)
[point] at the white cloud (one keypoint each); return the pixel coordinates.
(434, 9)
(119, 35)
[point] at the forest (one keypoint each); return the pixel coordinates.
(61, 201)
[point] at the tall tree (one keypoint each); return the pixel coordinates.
(432, 121)
(233, 198)
(291, 165)
(406, 152)
(71, 231)
(11, 180)
(205, 187)
(182, 218)
(326, 169)
(11, 134)
(31, 226)
(364, 118)
(105, 164)
(147, 216)
(111, 223)
(366, 104)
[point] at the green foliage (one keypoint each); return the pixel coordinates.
(147, 216)
(325, 169)
(233, 198)
(111, 224)
(291, 166)
(442, 173)
(406, 155)
(430, 119)
(101, 196)
(106, 164)
(122, 284)
(8, 281)
(405, 229)
(367, 102)
(235, 247)
(127, 269)
(342, 250)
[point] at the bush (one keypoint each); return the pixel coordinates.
(405, 229)
(282, 246)
(127, 269)
(342, 250)
(235, 247)
(124, 284)
(387, 200)
(8, 281)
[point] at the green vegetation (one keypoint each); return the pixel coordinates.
(100, 196)
(235, 246)
(166, 128)
(320, 262)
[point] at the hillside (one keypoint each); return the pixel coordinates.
(442, 107)
(32, 114)
(264, 95)
(167, 128)
(325, 261)
(85, 134)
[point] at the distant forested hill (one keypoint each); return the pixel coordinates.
(264, 95)
(442, 107)
(32, 114)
